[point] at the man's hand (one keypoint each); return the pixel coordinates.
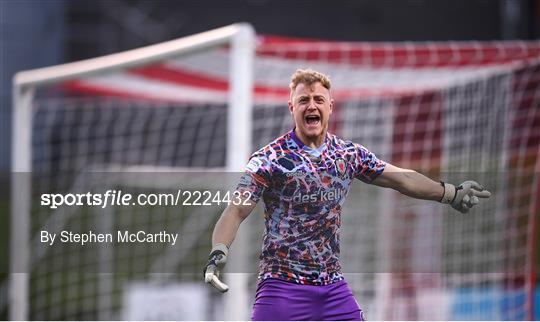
(465, 196)
(216, 262)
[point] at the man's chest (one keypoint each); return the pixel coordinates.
(301, 177)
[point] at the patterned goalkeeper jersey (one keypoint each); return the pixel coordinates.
(303, 193)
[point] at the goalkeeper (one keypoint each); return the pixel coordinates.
(303, 178)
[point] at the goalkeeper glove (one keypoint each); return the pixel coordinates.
(216, 262)
(465, 196)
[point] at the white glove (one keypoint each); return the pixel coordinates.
(465, 196)
(216, 262)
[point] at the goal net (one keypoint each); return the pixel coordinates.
(453, 111)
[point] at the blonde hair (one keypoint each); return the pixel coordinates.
(308, 77)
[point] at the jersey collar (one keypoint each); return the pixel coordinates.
(301, 144)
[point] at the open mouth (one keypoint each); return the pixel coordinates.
(313, 119)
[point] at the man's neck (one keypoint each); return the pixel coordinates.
(312, 142)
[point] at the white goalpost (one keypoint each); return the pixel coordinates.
(240, 38)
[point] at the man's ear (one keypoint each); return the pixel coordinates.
(290, 107)
(331, 105)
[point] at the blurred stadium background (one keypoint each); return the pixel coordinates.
(451, 89)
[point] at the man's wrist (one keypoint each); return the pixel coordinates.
(449, 192)
(220, 247)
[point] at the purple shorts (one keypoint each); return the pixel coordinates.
(279, 300)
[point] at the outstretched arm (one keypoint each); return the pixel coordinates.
(416, 185)
(409, 183)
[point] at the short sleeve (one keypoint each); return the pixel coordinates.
(256, 177)
(367, 165)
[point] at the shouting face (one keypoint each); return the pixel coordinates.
(311, 106)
